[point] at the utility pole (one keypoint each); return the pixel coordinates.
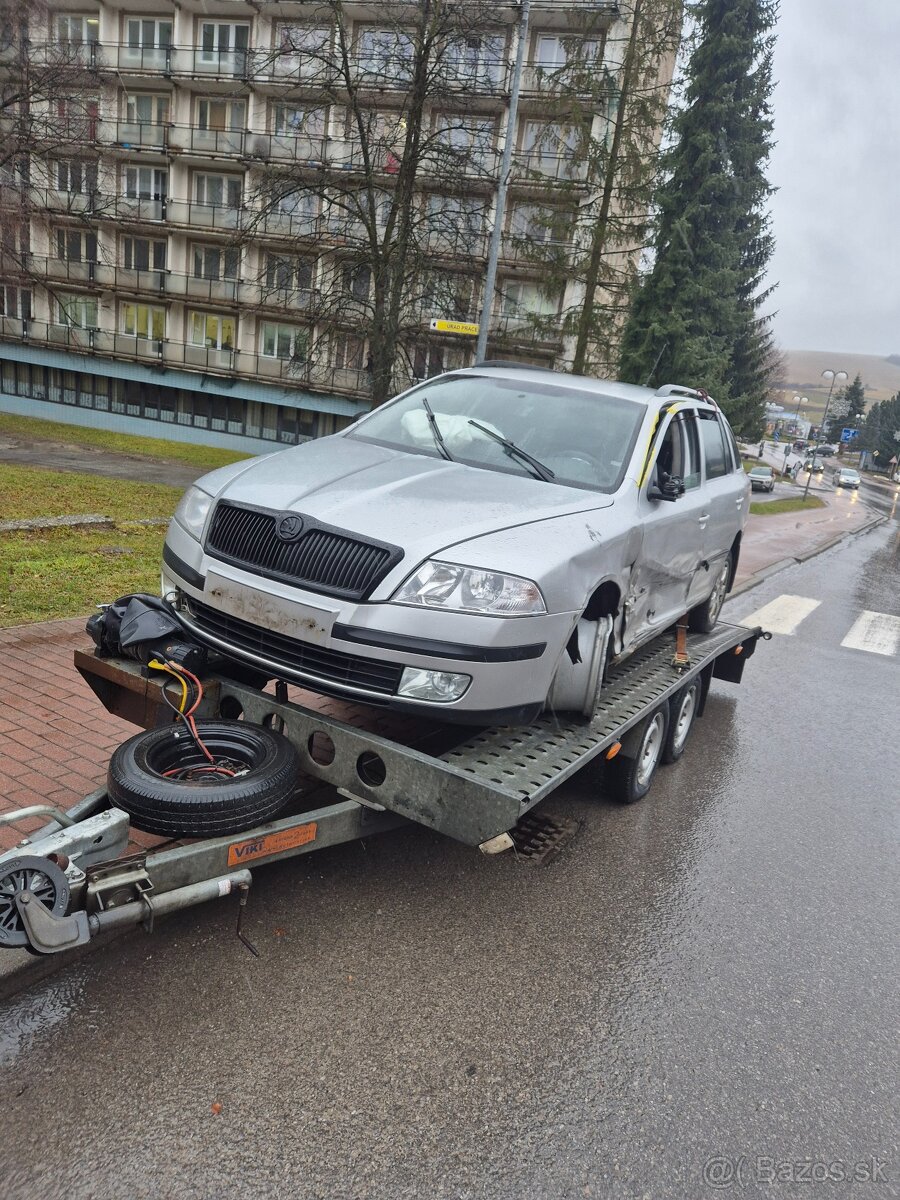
(490, 279)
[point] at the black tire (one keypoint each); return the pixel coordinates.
(629, 779)
(682, 713)
(203, 807)
(703, 618)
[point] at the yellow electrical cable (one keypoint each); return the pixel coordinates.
(160, 666)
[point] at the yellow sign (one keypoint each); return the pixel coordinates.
(465, 327)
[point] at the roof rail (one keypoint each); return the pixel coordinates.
(675, 389)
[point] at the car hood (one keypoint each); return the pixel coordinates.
(422, 504)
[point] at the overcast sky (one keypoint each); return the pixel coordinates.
(837, 167)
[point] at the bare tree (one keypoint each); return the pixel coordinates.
(397, 180)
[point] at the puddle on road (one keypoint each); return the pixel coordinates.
(34, 1013)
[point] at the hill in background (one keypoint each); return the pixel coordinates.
(803, 375)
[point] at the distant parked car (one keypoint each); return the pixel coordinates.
(826, 451)
(762, 479)
(845, 477)
(815, 465)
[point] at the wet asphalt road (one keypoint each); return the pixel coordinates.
(712, 972)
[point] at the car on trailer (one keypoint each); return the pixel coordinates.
(477, 550)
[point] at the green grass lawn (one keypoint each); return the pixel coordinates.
(49, 574)
(204, 457)
(771, 508)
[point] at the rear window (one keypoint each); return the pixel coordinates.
(715, 452)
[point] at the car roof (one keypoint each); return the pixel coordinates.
(648, 397)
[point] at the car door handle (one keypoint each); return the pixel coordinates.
(740, 503)
(701, 520)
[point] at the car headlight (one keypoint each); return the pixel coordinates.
(193, 510)
(469, 589)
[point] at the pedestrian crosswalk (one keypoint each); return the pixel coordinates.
(874, 632)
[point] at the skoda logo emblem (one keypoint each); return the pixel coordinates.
(289, 527)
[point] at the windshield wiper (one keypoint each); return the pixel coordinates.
(538, 470)
(438, 436)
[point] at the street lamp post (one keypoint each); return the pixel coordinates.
(834, 376)
(801, 400)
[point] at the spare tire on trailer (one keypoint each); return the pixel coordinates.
(205, 805)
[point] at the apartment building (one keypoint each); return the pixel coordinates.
(182, 250)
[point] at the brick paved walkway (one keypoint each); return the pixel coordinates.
(55, 735)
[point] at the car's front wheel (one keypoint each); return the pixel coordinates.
(703, 618)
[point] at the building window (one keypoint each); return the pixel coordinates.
(15, 302)
(147, 34)
(221, 191)
(212, 330)
(536, 224)
(349, 352)
(456, 222)
(467, 139)
(301, 49)
(475, 61)
(527, 299)
(220, 115)
(224, 44)
(73, 30)
(147, 109)
(216, 262)
(76, 118)
(356, 281)
(76, 246)
(297, 204)
(291, 120)
(283, 341)
(80, 312)
(554, 52)
(143, 254)
(285, 273)
(76, 176)
(551, 149)
(144, 320)
(145, 183)
(386, 54)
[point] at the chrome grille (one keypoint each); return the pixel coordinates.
(325, 559)
(297, 658)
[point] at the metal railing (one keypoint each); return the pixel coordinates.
(168, 352)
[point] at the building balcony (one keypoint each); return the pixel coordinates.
(168, 353)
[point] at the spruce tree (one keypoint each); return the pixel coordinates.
(849, 403)
(695, 318)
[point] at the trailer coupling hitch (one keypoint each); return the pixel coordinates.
(51, 933)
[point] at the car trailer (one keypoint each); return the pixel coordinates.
(72, 881)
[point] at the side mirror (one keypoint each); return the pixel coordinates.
(670, 487)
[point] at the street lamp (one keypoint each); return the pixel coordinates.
(801, 400)
(834, 376)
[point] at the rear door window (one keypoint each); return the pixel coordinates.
(716, 455)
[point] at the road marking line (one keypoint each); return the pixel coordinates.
(782, 615)
(879, 633)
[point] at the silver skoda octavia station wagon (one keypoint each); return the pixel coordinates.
(476, 549)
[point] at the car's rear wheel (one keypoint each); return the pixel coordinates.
(703, 618)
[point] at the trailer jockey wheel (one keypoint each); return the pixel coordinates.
(28, 873)
(167, 786)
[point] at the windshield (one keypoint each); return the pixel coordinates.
(584, 438)
(761, 471)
